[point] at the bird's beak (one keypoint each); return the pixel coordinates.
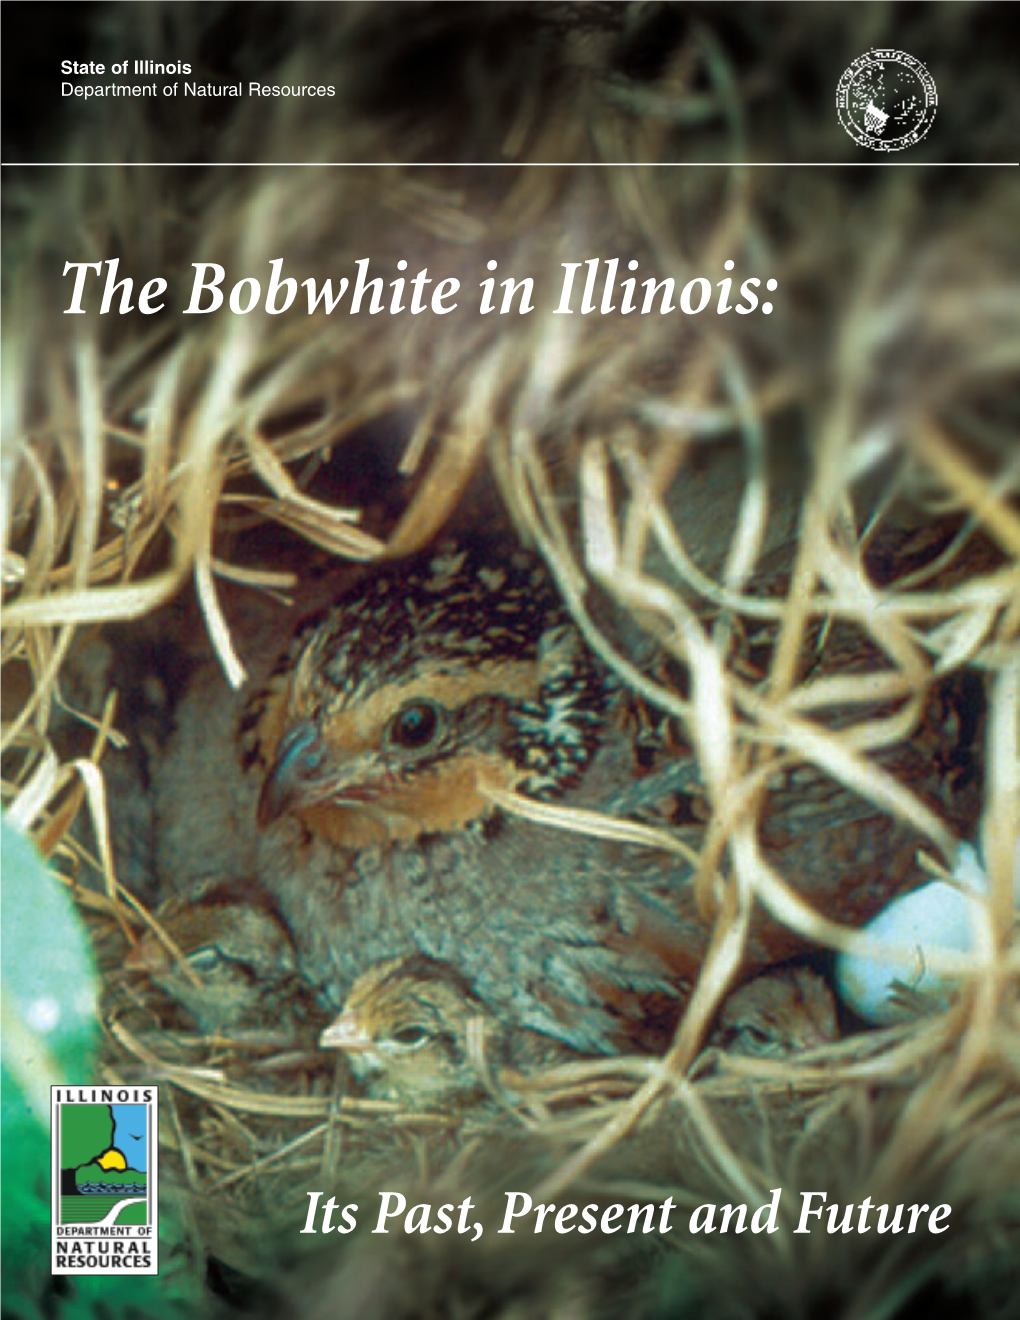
(306, 774)
(294, 774)
(347, 1033)
(148, 955)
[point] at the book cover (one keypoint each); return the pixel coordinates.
(510, 661)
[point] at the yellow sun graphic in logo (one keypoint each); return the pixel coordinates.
(112, 1159)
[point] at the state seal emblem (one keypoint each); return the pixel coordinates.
(886, 100)
(104, 1158)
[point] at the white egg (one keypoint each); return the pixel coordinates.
(905, 941)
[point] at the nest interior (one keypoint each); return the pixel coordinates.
(794, 538)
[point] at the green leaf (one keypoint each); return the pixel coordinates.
(49, 1024)
(49, 983)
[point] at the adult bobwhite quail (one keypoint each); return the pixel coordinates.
(436, 677)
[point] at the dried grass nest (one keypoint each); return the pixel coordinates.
(140, 459)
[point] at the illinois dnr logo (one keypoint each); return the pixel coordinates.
(886, 100)
(105, 1206)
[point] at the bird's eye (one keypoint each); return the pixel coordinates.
(753, 1040)
(205, 960)
(410, 1037)
(415, 725)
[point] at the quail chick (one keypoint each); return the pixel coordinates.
(240, 966)
(780, 1012)
(373, 744)
(404, 1029)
